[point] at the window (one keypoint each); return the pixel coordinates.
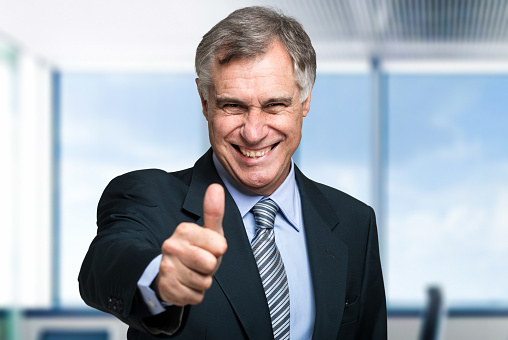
(448, 189)
(7, 172)
(112, 124)
(447, 166)
(446, 195)
(335, 147)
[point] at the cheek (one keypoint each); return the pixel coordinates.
(220, 127)
(291, 126)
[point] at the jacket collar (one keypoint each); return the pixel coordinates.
(328, 258)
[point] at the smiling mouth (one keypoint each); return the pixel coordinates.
(255, 154)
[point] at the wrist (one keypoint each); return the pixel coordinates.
(155, 287)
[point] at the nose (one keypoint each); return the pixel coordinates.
(254, 128)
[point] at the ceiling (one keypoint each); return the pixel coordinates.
(154, 34)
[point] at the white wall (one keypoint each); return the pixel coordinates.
(31, 328)
(455, 328)
(399, 328)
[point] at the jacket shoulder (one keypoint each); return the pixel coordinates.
(155, 176)
(148, 187)
(152, 179)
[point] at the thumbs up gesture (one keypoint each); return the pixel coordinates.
(192, 255)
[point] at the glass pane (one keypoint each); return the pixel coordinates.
(9, 235)
(112, 124)
(448, 189)
(335, 147)
(25, 206)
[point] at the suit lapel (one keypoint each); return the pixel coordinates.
(328, 258)
(238, 276)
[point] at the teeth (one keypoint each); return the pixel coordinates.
(254, 154)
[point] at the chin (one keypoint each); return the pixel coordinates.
(258, 185)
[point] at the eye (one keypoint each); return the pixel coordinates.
(275, 107)
(233, 108)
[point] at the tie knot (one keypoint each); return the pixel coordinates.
(264, 213)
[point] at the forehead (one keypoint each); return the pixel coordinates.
(275, 65)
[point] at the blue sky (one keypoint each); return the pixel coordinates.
(448, 165)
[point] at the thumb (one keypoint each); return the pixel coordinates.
(213, 208)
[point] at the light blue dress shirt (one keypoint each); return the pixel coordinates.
(290, 239)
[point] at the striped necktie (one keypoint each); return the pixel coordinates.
(271, 267)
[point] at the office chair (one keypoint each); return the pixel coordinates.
(433, 315)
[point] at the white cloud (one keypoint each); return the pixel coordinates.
(456, 235)
(350, 178)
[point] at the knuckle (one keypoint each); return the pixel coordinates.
(207, 282)
(211, 264)
(202, 282)
(184, 229)
(206, 262)
(187, 297)
(196, 298)
(170, 246)
(166, 266)
(223, 247)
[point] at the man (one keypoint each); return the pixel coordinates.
(242, 245)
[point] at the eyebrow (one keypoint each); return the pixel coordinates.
(284, 100)
(225, 100)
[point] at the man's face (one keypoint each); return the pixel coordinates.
(254, 115)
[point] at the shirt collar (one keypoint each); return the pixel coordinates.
(286, 196)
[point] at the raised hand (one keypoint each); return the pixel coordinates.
(192, 255)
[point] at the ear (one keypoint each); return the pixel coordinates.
(204, 102)
(306, 105)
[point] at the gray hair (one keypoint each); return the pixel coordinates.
(247, 33)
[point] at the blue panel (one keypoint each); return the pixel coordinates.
(74, 335)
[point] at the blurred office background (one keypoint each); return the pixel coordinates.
(409, 114)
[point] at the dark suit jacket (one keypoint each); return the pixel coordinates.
(141, 209)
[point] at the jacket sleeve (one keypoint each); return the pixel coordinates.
(131, 229)
(372, 322)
